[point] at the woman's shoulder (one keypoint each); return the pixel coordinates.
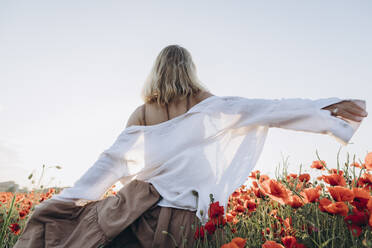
(203, 95)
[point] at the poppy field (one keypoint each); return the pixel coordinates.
(328, 206)
(296, 210)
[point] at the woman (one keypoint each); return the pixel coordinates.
(180, 146)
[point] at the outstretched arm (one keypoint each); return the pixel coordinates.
(106, 171)
(318, 116)
(347, 109)
(298, 114)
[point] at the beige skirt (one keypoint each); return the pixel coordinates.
(131, 218)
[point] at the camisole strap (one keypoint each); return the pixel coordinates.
(187, 106)
(166, 105)
(143, 114)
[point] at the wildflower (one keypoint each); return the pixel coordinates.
(15, 228)
(236, 193)
(368, 161)
(229, 217)
(337, 208)
(324, 202)
(295, 201)
(274, 213)
(239, 209)
(304, 177)
(335, 171)
(341, 193)
(289, 241)
(318, 164)
(235, 243)
(356, 221)
(334, 179)
(311, 194)
(263, 178)
(22, 214)
(356, 164)
(199, 233)
(271, 244)
(359, 218)
(365, 180)
(215, 210)
(275, 191)
(220, 220)
(255, 174)
(288, 229)
(256, 190)
(361, 197)
(250, 205)
(355, 230)
(369, 205)
(210, 227)
(290, 176)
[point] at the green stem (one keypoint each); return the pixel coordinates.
(6, 222)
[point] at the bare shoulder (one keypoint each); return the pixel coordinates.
(136, 117)
(203, 95)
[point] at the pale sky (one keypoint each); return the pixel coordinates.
(71, 71)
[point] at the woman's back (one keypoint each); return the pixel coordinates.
(153, 113)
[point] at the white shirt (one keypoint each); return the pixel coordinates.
(211, 149)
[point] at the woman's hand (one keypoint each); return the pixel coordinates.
(347, 109)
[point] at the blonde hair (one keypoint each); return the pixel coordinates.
(173, 75)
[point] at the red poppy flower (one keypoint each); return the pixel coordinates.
(304, 177)
(334, 179)
(290, 176)
(22, 214)
(341, 193)
(356, 164)
(361, 198)
(210, 227)
(240, 242)
(355, 230)
(250, 205)
(324, 202)
(263, 178)
(15, 228)
(318, 164)
(337, 208)
(365, 180)
(271, 244)
(239, 209)
(275, 191)
(295, 201)
(368, 161)
(289, 241)
(335, 171)
(220, 220)
(255, 174)
(358, 218)
(199, 233)
(312, 194)
(215, 210)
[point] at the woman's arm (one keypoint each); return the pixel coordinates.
(348, 110)
(136, 117)
(106, 171)
(297, 114)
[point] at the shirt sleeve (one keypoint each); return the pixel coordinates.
(297, 114)
(105, 172)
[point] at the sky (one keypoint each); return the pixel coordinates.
(71, 72)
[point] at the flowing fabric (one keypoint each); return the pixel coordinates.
(210, 149)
